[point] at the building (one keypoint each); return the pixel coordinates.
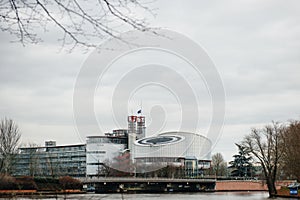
(51, 160)
(101, 151)
(182, 149)
(136, 129)
(140, 127)
(126, 150)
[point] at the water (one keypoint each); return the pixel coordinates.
(171, 196)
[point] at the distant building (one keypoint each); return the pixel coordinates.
(126, 148)
(51, 160)
(50, 143)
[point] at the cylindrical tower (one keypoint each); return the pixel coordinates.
(141, 128)
(131, 131)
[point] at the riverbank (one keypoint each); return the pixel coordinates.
(252, 186)
(247, 185)
(35, 193)
(160, 196)
(232, 185)
(285, 193)
(221, 186)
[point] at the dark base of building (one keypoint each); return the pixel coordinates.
(152, 187)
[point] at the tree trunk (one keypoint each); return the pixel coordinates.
(271, 187)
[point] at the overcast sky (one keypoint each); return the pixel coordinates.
(255, 46)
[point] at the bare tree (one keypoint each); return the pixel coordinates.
(105, 168)
(9, 139)
(33, 159)
(267, 145)
(219, 166)
(80, 22)
(291, 158)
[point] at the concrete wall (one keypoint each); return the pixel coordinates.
(246, 185)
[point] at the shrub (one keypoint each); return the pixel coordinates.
(47, 183)
(67, 182)
(7, 182)
(26, 183)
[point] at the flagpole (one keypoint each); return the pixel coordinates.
(141, 107)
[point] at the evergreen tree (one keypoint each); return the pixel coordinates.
(241, 165)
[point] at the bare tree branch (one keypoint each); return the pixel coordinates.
(82, 23)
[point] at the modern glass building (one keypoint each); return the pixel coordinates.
(182, 149)
(123, 149)
(51, 160)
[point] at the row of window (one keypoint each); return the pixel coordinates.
(95, 163)
(49, 155)
(158, 159)
(96, 152)
(59, 149)
(54, 149)
(113, 140)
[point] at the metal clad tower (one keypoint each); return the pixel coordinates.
(141, 129)
(131, 131)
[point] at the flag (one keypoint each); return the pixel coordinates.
(139, 112)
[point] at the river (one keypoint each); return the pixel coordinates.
(171, 196)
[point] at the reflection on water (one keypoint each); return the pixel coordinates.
(172, 196)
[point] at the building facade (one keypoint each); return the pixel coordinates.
(181, 149)
(101, 151)
(51, 161)
(126, 150)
